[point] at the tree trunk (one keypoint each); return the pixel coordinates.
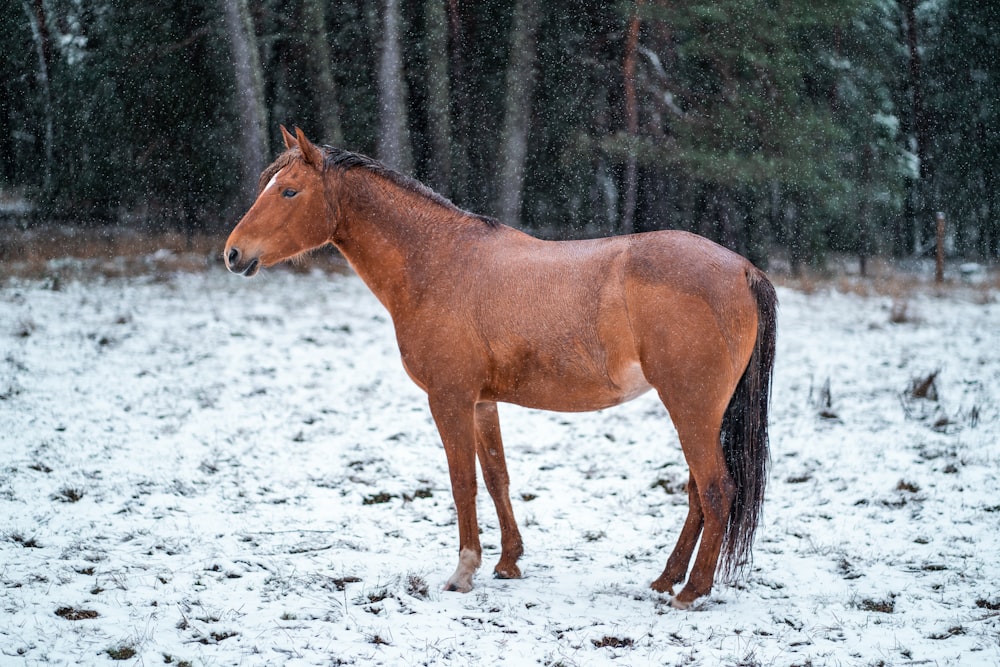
(318, 56)
(43, 49)
(461, 165)
(796, 239)
(988, 229)
(393, 145)
(915, 192)
(864, 211)
(725, 225)
(438, 95)
(631, 123)
(249, 95)
(517, 114)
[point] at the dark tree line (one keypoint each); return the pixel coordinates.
(767, 125)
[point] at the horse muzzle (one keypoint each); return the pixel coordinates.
(238, 263)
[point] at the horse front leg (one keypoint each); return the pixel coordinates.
(455, 420)
(489, 446)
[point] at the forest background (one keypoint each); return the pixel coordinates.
(779, 128)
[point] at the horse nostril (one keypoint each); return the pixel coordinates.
(233, 257)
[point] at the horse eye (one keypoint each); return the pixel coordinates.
(289, 193)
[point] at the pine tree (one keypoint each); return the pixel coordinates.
(963, 75)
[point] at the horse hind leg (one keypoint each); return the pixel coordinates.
(677, 564)
(489, 447)
(698, 419)
(716, 492)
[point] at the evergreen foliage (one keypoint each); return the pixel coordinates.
(771, 126)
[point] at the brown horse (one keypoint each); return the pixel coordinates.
(485, 313)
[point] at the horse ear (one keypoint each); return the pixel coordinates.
(290, 141)
(312, 155)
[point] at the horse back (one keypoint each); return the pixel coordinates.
(565, 325)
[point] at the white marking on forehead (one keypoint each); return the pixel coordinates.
(272, 181)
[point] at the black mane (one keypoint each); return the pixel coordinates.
(343, 160)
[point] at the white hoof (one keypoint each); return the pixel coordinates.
(468, 563)
(459, 584)
(677, 604)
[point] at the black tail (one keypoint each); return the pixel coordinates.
(744, 434)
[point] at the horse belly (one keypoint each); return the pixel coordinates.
(574, 392)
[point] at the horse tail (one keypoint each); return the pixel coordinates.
(744, 433)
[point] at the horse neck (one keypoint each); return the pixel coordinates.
(390, 235)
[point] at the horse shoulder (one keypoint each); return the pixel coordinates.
(439, 347)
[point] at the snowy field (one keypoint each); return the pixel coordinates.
(199, 469)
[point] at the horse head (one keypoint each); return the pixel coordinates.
(290, 215)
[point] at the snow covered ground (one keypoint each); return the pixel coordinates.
(206, 470)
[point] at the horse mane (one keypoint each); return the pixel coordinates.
(344, 160)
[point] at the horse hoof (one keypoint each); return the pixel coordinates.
(456, 588)
(459, 584)
(512, 572)
(662, 585)
(677, 604)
